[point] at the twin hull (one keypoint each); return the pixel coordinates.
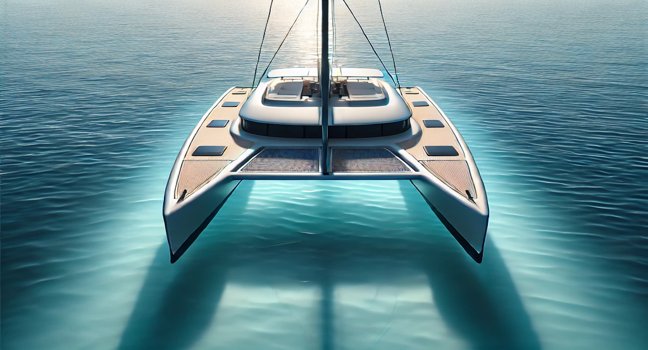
(431, 154)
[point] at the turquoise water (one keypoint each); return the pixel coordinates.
(97, 98)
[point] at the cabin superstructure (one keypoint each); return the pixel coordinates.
(361, 104)
(340, 123)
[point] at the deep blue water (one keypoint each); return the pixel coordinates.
(97, 97)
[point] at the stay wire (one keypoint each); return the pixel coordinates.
(390, 45)
(284, 40)
(334, 34)
(369, 41)
(256, 67)
(317, 39)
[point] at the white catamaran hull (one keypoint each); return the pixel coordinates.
(430, 153)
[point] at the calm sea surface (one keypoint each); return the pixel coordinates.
(97, 97)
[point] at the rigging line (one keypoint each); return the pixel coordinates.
(283, 40)
(369, 41)
(317, 46)
(390, 45)
(256, 67)
(334, 34)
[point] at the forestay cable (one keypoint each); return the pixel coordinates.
(334, 33)
(284, 40)
(317, 35)
(369, 41)
(256, 67)
(390, 45)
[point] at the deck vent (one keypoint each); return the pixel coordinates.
(366, 160)
(280, 160)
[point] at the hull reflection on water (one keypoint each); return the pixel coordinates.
(322, 276)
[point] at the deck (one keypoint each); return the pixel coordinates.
(431, 145)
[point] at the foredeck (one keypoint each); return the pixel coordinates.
(448, 164)
(213, 131)
(437, 133)
(216, 145)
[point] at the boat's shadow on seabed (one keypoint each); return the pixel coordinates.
(177, 304)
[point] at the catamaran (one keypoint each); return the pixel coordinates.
(325, 123)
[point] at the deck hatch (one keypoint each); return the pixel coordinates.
(218, 123)
(420, 104)
(203, 151)
(441, 151)
(284, 160)
(230, 104)
(433, 123)
(366, 160)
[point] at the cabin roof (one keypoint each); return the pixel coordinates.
(370, 102)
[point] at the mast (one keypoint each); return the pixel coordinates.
(325, 84)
